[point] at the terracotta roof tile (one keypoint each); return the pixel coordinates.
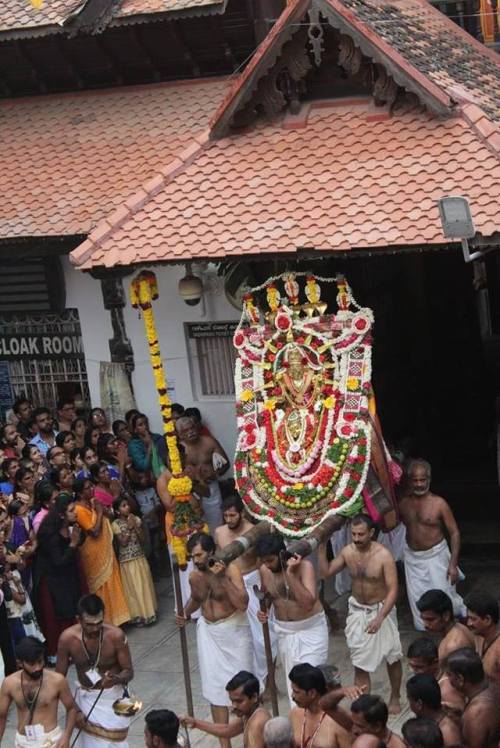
(382, 194)
(21, 16)
(67, 161)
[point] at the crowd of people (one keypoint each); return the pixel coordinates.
(82, 515)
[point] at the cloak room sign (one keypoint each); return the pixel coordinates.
(212, 330)
(41, 346)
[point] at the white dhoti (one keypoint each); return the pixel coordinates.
(428, 570)
(46, 739)
(104, 728)
(302, 641)
(259, 668)
(224, 648)
(212, 507)
(368, 651)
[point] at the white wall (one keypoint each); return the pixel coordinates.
(84, 293)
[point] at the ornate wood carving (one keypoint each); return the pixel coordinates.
(315, 35)
(385, 89)
(350, 56)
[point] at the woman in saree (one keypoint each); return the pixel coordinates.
(97, 555)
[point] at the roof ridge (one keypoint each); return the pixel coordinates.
(120, 215)
(488, 131)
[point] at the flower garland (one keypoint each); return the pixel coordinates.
(303, 449)
(185, 521)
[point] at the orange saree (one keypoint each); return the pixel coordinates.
(101, 567)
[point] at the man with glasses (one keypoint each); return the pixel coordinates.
(101, 656)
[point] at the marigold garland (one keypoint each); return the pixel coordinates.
(184, 520)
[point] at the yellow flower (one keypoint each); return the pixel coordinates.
(246, 396)
(352, 383)
(298, 486)
(329, 402)
(270, 404)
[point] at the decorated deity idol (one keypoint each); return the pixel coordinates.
(309, 442)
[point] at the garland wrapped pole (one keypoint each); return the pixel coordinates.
(185, 520)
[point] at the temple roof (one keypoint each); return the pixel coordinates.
(342, 176)
(67, 160)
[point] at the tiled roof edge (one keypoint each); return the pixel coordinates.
(107, 227)
(487, 131)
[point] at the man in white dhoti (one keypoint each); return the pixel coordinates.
(429, 562)
(371, 628)
(36, 693)
(299, 619)
(236, 525)
(223, 636)
(101, 655)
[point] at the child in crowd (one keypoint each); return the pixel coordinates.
(136, 575)
(20, 613)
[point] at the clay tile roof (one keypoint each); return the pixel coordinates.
(422, 49)
(19, 18)
(349, 179)
(68, 160)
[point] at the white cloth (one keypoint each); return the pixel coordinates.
(212, 507)
(259, 652)
(102, 716)
(224, 648)
(47, 740)
(184, 580)
(394, 541)
(368, 651)
(427, 570)
(302, 641)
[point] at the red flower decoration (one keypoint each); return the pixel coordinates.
(239, 339)
(345, 430)
(348, 492)
(349, 416)
(277, 391)
(283, 322)
(251, 439)
(360, 324)
(249, 427)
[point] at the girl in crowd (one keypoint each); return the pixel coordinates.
(22, 619)
(32, 454)
(99, 420)
(21, 538)
(79, 427)
(121, 431)
(136, 575)
(104, 492)
(45, 494)
(66, 440)
(24, 486)
(97, 555)
(58, 582)
(63, 478)
(88, 458)
(10, 466)
(147, 451)
(114, 455)
(91, 436)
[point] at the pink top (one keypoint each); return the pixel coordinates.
(38, 519)
(103, 497)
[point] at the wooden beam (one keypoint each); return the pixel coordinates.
(110, 59)
(153, 65)
(178, 36)
(26, 57)
(66, 55)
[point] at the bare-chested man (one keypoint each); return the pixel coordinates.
(429, 564)
(424, 698)
(371, 628)
(251, 716)
(369, 715)
(423, 660)
(311, 725)
(482, 619)
(102, 659)
(436, 611)
(205, 461)
(300, 621)
(481, 717)
(235, 525)
(36, 693)
(223, 634)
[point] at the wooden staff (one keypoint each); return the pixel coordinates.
(261, 597)
(305, 546)
(243, 543)
(182, 633)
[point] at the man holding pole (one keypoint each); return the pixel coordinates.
(300, 621)
(235, 525)
(223, 633)
(103, 664)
